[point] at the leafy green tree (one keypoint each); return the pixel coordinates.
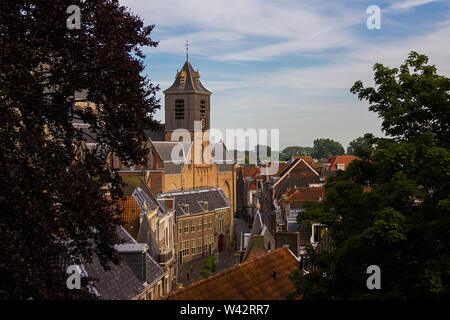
(324, 148)
(52, 205)
(292, 151)
(209, 267)
(411, 99)
(361, 145)
(390, 208)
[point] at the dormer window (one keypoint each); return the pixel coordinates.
(179, 109)
(340, 166)
(197, 77)
(186, 208)
(182, 77)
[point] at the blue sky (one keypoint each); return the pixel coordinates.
(289, 65)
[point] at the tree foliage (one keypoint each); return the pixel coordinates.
(324, 148)
(410, 99)
(361, 145)
(292, 151)
(209, 267)
(51, 204)
(391, 208)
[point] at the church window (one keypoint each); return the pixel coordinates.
(203, 113)
(202, 107)
(179, 109)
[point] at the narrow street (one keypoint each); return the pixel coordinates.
(224, 260)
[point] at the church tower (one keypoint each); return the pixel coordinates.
(186, 101)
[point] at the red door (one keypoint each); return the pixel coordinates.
(220, 243)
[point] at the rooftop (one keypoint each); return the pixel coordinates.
(262, 278)
(187, 81)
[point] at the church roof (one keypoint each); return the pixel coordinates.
(187, 81)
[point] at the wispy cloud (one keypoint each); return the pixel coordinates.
(289, 64)
(408, 4)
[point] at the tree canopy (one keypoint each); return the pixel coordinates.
(324, 148)
(292, 151)
(209, 267)
(51, 204)
(361, 145)
(391, 208)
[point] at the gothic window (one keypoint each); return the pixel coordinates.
(179, 109)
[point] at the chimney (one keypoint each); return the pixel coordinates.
(258, 241)
(134, 255)
(169, 203)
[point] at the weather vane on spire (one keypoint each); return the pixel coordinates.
(187, 50)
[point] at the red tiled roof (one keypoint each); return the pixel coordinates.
(309, 160)
(251, 280)
(334, 160)
(256, 252)
(301, 194)
(250, 171)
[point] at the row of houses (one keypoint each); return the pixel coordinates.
(271, 203)
(276, 244)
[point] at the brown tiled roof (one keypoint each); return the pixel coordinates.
(334, 160)
(309, 160)
(256, 252)
(301, 194)
(308, 174)
(251, 280)
(250, 171)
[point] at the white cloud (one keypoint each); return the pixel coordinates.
(408, 4)
(247, 30)
(304, 102)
